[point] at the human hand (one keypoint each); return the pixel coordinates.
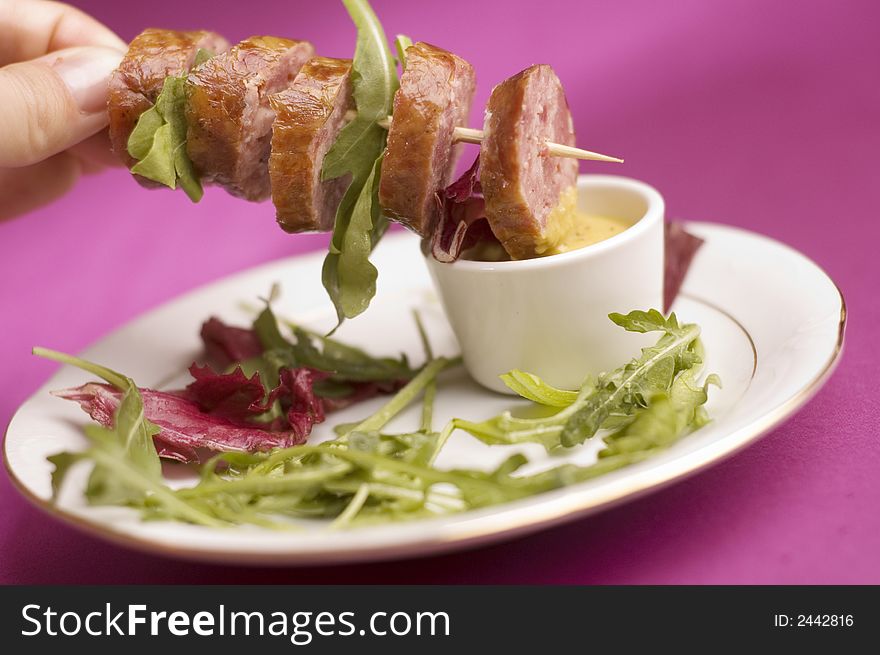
(55, 62)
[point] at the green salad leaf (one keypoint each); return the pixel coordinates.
(666, 418)
(535, 389)
(62, 463)
(404, 397)
(401, 43)
(127, 470)
(368, 474)
(610, 402)
(134, 434)
(158, 140)
(623, 390)
(374, 80)
(347, 363)
(348, 275)
(202, 55)
(140, 141)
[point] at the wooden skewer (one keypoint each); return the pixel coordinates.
(469, 135)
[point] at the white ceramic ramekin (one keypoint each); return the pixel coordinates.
(549, 316)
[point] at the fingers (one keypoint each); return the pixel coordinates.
(32, 28)
(53, 102)
(56, 101)
(24, 189)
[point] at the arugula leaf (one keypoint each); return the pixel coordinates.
(401, 43)
(374, 74)
(345, 362)
(127, 470)
(431, 389)
(611, 402)
(62, 462)
(649, 321)
(347, 367)
(336, 350)
(533, 388)
(158, 163)
(629, 387)
(141, 138)
(500, 431)
(348, 275)
(120, 481)
(354, 152)
(367, 476)
(404, 397)
(130, 440)
(266, 327)
(202, 55)
(132, 432)
(506, 428)
(666, 419)
(158, 141)
(110, 376)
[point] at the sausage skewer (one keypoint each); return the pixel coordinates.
(228, 114)
(308, 117)
(152, 56)
(435, 94)
(262, 115)
(529, 197)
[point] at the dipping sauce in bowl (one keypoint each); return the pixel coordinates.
(549, 314)
(569, 228)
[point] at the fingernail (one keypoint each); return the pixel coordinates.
(86, 71)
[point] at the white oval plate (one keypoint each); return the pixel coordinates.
(773, 325)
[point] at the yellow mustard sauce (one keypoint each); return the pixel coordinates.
(569, 228)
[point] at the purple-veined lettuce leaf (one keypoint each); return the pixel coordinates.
(225, 345)
(185, 431)
(297, 387)
(276, 407)
(462, 221)
(240, 398)
(233, 395)
(214, 413)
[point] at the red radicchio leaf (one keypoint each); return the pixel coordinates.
(679, 250)
(233, 395)
(462, 221)
(211, 414)
(297, 387)
(225, 345)
(185, 430)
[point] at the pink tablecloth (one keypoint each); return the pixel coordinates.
(762, 115)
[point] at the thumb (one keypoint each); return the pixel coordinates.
(53, 102)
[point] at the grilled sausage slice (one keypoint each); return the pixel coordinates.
(152, 56)
(308, 117)
(228, 114)
(435, 94)
(523, 183)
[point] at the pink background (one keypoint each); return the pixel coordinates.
(757, 114)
